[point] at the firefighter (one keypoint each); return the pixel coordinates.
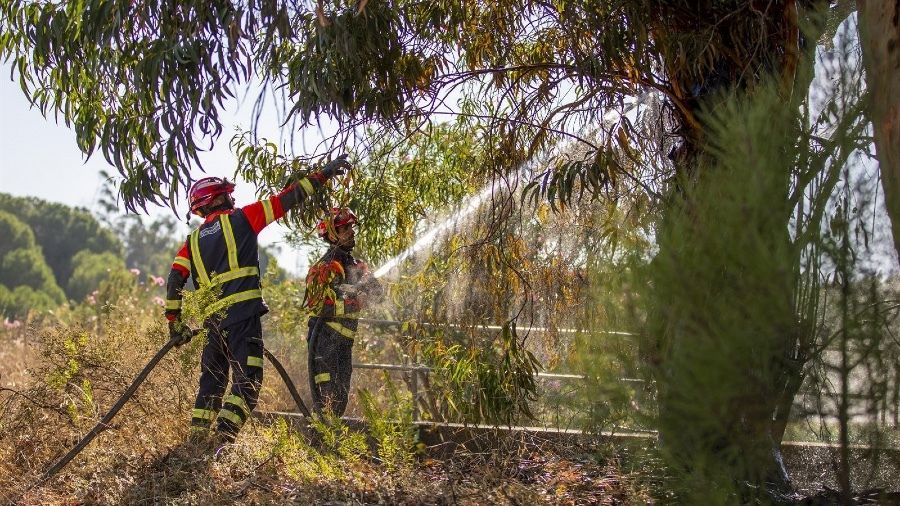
(337, 287)
(223, 252)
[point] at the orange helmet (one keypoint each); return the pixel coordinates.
(337, 217)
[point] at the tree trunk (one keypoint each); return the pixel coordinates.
(723, 286)
(879, 31)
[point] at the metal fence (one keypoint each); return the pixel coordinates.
(420, 369)
(418, 372)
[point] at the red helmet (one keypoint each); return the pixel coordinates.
(338, 217)
(207, 189)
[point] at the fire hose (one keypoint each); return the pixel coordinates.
(103, 424)
(288, 383)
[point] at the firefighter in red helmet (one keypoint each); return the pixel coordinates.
(223, 252)
(337, 287)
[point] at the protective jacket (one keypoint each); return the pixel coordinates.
(327, 286)
(224, 251)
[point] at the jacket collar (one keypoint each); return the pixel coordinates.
(336, 251)
(215, 214)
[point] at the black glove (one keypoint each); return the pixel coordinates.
(179, 333)
(336, 167)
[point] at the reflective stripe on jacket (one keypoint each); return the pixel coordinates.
(324, 293)
(224, 251)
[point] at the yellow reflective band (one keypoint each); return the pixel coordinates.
(225, 277)
(173, 304)
(342, 330)
(204, 414)
(254, 361)
(322, 378)
(229, 242)
(338, 307)
(239, 402)
(198, 260)
(184, 262)
(234, 299)
(307, 186)
(267, 210)
(197, 428)
(231, 417)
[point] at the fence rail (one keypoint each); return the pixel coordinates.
(421, 369)
(418, 373)
(374, 322)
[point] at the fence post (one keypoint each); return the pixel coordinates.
(415, 383)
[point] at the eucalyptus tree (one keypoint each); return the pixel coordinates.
(145, 83)
(880, 37)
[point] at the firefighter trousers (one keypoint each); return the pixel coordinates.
(237, 349)
(330, 368)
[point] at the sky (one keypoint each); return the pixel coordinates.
(39, 157)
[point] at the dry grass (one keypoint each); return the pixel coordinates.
(249, 473)
(75, 374)
(15, 357)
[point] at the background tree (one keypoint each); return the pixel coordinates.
(26, 282)
(61, 231)
(90, 270)
(17, 234)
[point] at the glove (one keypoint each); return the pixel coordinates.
(336, 167)
(373, 289)
(179, 333)
(368, 290)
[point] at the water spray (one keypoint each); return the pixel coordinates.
(472, 204)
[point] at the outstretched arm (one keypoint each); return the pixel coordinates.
(178, 275)
(263, 213)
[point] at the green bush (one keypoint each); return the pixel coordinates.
(16, 303)
(90, 270)
(27, 282)
(26, 267)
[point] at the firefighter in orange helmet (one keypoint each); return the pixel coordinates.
(337, 287)
(223, 252)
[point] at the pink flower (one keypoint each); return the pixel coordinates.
(159, 301)
(91, 299)
(11, 324)
(136, 272)
(157, 280)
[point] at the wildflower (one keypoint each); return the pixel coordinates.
(157, 280)
(11, 324)
(159, 301)
(136, 272)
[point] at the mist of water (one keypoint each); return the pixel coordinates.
(472, 203)
(466, 208)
